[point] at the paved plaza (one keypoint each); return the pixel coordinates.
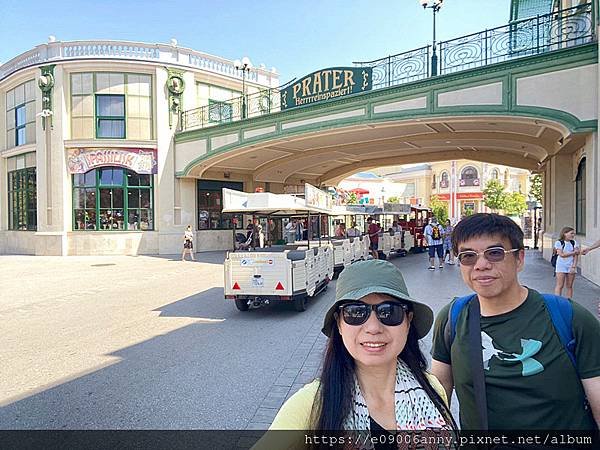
(150, 343)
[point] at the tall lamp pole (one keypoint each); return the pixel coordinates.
(245, 66)
(434, 5)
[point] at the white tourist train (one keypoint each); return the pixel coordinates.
(291, 272)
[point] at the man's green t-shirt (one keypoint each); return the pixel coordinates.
(530, 380)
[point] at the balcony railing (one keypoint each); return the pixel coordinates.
(255, 104)
(139, 51)
(526, 37)
(532, 36)
(401, 68)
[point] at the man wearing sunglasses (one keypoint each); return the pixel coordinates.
(525, 379)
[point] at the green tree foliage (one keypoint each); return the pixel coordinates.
(515, 204)
(393, 200)
(439, 209)
(536, 186)
(352, 198)
(494, 196)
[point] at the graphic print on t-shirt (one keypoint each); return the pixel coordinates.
(530, 348)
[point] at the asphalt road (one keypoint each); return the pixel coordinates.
(150, 343)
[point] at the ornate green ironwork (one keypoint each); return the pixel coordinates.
(46, 85)
(175, 85)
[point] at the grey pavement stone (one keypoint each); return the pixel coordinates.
(285, 381)
(265, 414)
(258, 425)
(273, 402)
(278, 390)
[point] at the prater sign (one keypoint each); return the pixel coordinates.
(326, 84)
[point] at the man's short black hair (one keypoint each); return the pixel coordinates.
(484, 224)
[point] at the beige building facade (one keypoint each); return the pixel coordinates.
(87, 155)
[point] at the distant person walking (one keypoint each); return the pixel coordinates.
(447, 233)
(435, 241)
(373, 231)
(188, 243)
(568, 251)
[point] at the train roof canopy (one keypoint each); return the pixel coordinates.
(268, 204)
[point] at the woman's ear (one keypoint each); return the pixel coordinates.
(410, 316)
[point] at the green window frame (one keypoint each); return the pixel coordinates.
(20, 123)
(22, 199)
(113, 199)
(109, 113)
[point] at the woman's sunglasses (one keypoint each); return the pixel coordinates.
(389, 313)
(492, 254)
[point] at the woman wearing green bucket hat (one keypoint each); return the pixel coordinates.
(373, 374)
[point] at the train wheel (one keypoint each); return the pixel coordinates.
(241, 304)
(300, 303)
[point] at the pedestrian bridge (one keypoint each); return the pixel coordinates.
(517, 95)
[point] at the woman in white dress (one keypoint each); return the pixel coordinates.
(567, 250)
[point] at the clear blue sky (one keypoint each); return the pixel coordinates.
(296, 37)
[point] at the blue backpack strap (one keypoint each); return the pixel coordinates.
(454, 311)
(561, 313)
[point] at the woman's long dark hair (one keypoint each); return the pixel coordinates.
(334, 397)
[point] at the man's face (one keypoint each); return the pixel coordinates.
(491, 279)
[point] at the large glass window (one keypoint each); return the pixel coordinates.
(110, 116)
(20, 115)
(112, 199)
(469, 177)
(22, 193)
(210, 206)
(111, 105)
(444, 180)
(580, 210)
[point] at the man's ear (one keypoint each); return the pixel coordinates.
(520, 260)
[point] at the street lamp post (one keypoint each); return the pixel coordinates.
(435, 5)
(245, 66)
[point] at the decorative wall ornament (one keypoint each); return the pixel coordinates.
(175, 85)
(46, 84)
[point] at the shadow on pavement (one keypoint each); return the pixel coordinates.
(203, 257)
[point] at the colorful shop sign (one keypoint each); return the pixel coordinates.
(469, 195)
(326, 84)
(140, 160)
(317, 198)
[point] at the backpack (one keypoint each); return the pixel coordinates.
(555, 255)
(436, 235)
(561, 313)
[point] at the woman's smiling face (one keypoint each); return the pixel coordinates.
(373, 343)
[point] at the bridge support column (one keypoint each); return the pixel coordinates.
(590, 263)
(559, 199)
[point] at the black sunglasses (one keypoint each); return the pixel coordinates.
(389, 313)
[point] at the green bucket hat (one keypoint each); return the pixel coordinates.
(376, 277)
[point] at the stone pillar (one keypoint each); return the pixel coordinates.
(559, 202)
(53, 181)
(590, 263)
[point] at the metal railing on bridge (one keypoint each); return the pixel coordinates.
(526, 37)
(216, 113)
